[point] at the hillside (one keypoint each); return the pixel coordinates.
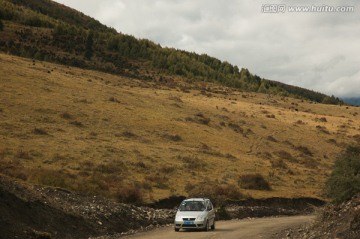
(137, 140)
(48, 31)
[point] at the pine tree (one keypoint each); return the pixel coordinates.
(344, 181)
(1, 25)
(89, 45)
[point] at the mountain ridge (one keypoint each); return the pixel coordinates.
(52, 32)
(351, 100)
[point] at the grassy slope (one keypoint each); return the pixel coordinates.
(97, 132)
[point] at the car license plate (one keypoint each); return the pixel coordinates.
(188, 222)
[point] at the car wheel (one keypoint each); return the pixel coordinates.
(177, 229)
(206, 228)
(213, 226)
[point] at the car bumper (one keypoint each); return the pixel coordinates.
(194, 225)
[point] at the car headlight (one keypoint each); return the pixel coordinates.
(201, 217)
(178, 218)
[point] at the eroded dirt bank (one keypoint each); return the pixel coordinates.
(42, 212)
(28, 211)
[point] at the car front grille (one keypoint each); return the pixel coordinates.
(188, 219)
(190, 225)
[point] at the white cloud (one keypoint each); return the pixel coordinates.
(312, 50)
(348, 85)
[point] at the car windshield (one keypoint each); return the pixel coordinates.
(192, 206)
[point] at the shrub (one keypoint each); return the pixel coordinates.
(192, 162)
(236, 128)
(109, 168)
(271, 116)
(204, 120)
(231, 157)
(39, 131)
(141, 165)
(271, 138)
(285, 155)
(87, 165)
(66, 115)
(309, 162)
(40, 235)
(253, 181)
(52, 178)
(129, 134)
(174, 137)
(77, 123)
(23, 154)
(355, 222)
(322, 119)
(199, 118)
(3, 152)
(300, 122)
(130, 194)
(357, 138)
(168, 169)
(113, 99)
(176, 98)
(344, 181)
(219, 194)
(266, 155)
(160, 181)
(331, 141)
(278, 163)
(305, 150)
(222, 214)
(322, 129)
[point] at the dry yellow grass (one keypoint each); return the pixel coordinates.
(97, 133)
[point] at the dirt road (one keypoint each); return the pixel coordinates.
(234, 229)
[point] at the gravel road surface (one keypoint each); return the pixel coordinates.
(234, 229)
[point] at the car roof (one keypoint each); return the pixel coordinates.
(196, 199)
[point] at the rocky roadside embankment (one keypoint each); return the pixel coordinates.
(42, 212)
(28, 211)
(270, 207)
(340, 221)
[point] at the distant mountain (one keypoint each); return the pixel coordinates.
(351, 100)
(49, 31)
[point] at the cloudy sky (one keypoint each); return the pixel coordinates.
(316, 50)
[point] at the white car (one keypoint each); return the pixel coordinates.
(195, 213)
